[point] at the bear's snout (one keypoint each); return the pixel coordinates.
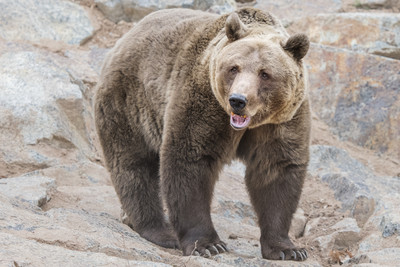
(238, 102)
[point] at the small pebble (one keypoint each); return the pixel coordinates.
(233, 236)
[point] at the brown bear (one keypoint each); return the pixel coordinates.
(185, 92)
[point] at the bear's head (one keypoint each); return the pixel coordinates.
(257, 74)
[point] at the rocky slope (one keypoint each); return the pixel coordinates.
(57, 204)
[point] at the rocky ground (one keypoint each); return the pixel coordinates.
(58, 207)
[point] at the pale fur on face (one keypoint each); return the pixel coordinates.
(274, 100)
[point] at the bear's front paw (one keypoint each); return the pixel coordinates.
(205, 249)
(296, 254)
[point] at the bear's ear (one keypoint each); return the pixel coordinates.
(234, 28)
(297, 45)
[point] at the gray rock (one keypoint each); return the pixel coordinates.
(367, 196)
(388, 227)
(33, 189)
(93, 58)
(363, 208)
(78, 230)
(344, 234)
(346, 225)
(42, 85)
(359, 260)
(356, 95)
(83, 216)
(298, 223)
(215, 6)
(235, 169)
(25, 252)
(85, 184)
(237, 210)
(370, 3)
(112, 9)
(377, 4)
(40, 20)
(375, 33)
(385, 257)
(45, 112)
(325, 243)
(311, 225)
(235, 206)
(347, 233)
(253, 262)
(134, 10)
(289, 10)
(347, 180)
(371, 243)
(386, 217)
(79, 237)
(84, 173)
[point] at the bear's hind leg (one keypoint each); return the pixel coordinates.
(134, 170)
(138, 187)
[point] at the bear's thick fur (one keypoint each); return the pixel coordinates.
(185, 92)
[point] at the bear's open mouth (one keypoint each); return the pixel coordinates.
(239, 121)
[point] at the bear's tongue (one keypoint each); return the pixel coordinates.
(239, 122)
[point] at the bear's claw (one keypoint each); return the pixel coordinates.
(213, 250)
(221, 248)
(297, 255)
(210, 250)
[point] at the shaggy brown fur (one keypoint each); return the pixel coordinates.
(185, 92)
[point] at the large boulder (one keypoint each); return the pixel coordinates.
(375, 33)
(372, 201)
(73, 236)
(42, 20)
(134, 10)
(347, 177)
(370, 198)
(357, 95)
(46, 110)
(377, 4)
(34, 189)
(80, 224)
(289, 10)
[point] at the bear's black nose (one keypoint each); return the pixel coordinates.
(237, 102)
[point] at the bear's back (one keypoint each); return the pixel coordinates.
(141, 64)
(150, 49)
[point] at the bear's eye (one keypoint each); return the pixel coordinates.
(264, 75)
(234, 70)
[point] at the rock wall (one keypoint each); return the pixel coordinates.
(133, 10)
(58, 206)
(357, 95)
(37, 20)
